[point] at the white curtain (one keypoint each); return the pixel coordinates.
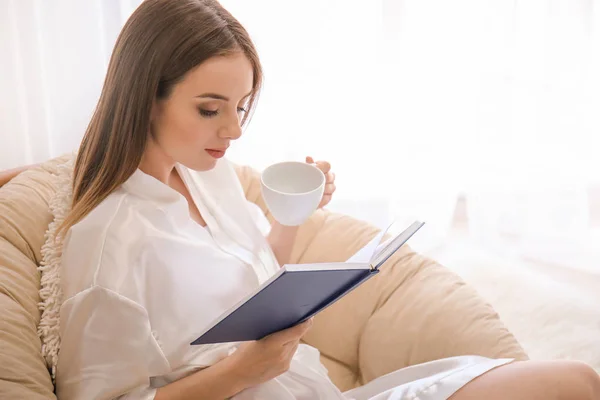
(53, 56)
(417, 103)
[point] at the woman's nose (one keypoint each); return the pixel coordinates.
(233, 130)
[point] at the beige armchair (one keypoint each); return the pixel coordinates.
(414, 311)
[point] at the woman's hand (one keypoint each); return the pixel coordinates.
(325, 167)
(262, 360)
(253, 363)
(281, 238)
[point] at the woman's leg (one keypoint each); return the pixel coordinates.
(533, 380)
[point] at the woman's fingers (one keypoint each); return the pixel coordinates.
(324, 166)
(329, 177)
(325, 200)
(329, 189)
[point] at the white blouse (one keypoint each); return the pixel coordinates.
(141, 280)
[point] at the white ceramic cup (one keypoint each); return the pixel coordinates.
(292, 191)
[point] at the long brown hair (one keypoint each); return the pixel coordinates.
(159, 44)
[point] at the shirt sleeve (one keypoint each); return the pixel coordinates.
(107, 350)
(259, 218)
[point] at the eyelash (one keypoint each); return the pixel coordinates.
(210, 113)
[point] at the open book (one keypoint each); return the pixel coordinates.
(299, 291)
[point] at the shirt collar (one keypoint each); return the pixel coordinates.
(148, 187)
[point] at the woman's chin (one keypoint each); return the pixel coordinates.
(205, 164)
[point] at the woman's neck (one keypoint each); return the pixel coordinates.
(156, 163)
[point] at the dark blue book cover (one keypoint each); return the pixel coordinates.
(296, 293)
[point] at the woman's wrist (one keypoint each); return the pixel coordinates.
(282, 238)
(236, 373)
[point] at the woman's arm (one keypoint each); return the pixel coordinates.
(108, 352)
(219, 381)
(281, 238)
(253, 363)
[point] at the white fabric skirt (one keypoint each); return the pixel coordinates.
(435, 380)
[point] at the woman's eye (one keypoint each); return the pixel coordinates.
(208, 113)
(242, 110)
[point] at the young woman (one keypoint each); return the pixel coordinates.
(161, 240)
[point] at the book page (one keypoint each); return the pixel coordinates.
(385, 250)
(367, 252)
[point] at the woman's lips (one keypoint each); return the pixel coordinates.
(216, 153)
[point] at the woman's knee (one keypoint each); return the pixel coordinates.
(589, 378)
(585, 381)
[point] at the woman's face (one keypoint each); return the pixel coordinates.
(196, 123)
